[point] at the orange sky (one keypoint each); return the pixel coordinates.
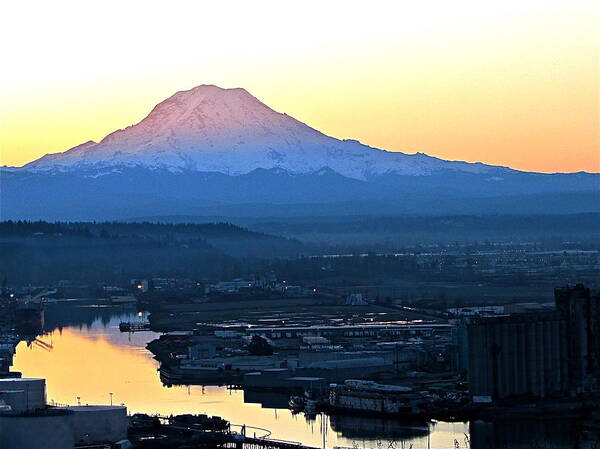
(514, 84)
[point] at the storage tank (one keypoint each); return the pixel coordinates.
(99, 423)
(47, 429)
(23, 394)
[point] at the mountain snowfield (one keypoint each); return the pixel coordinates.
(210, 129)
(221, 152)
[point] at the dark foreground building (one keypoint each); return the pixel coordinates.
(537, 355)
(580, 308)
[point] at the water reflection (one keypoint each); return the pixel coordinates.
(551, 434)
(84, 356)
(357, 427)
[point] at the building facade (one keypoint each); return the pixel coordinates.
(580, 308)
(537, 354)
(522, 355)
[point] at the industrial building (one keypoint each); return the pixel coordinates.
(580, 308)
(26, 422)
(535, 355)
(340, 370)
(521, 355)
(353, 331)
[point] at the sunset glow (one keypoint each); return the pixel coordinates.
(513, 83)
(134, 381)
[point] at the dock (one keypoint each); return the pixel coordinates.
(140, 326)
(260, 443)
(220, 435)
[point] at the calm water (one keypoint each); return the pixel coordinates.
(87, 357)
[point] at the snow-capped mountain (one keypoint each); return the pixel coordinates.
(210, 129)
(213, 151)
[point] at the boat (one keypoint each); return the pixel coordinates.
(29, 316)
(296, 403)
(367, 397)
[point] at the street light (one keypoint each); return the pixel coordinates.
(111, 395)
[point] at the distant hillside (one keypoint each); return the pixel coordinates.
(389, 232)
(385, 233)
(37, 252)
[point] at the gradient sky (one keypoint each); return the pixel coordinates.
(511, 83)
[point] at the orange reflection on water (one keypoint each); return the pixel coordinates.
(91, 365)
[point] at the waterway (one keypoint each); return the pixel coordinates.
(86, 359)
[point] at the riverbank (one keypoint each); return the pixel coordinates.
(133, 379)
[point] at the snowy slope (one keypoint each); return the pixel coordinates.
(210, 129)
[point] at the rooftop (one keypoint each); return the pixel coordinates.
(95, 408)
(351, 326)
(22, 379)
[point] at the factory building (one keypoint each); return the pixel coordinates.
(353, 331)
(537, 355)
(23, 408)
(23, 395)
(340, 370)
(522, 355)
(581, 310)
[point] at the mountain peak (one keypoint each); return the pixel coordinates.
(211, 91)
(211, 129)
(206, 100)
(212, 88)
